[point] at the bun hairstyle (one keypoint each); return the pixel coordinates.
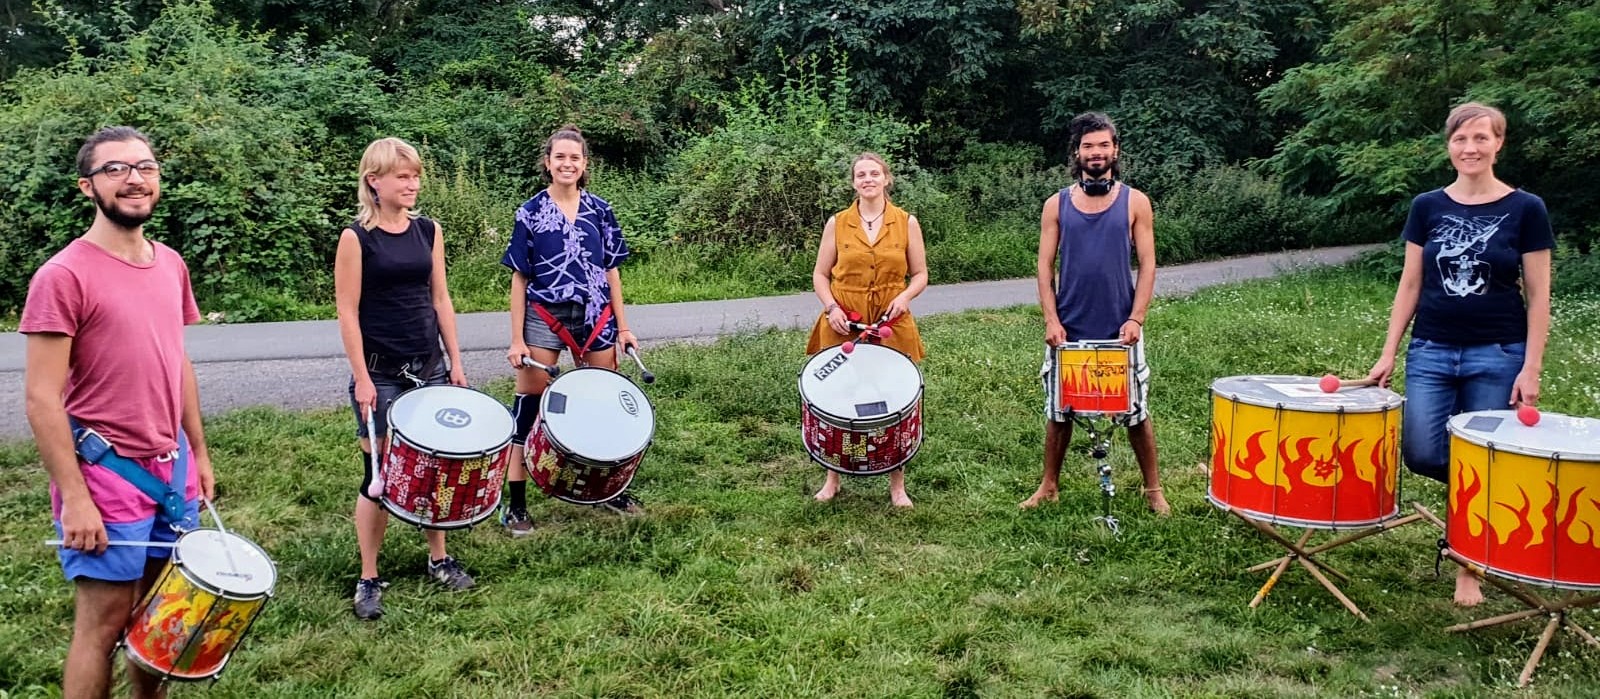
(382, 157)
(568, 132)
(888, 176)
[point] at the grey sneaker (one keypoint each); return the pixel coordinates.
(623, 504)
(450, 574)
(517, 522)
(369, 598)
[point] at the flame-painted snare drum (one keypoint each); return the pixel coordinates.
(861, 412)
(594, 426)
(1094, 377)
(192, 619)
(1525, 501)
(1285, 452)
(448, 450)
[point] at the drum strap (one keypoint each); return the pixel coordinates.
(566, 337)
(94, 449)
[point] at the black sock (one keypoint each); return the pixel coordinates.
(519, 496)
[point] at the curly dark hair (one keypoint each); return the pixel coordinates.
(1088, 123)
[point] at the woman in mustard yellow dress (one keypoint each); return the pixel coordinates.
(871, 261)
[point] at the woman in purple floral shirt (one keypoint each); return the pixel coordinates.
(564, 252)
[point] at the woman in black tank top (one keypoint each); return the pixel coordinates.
(395, 317)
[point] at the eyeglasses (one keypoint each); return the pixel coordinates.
(118, 170)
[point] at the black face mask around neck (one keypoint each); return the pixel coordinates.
(1097, 187)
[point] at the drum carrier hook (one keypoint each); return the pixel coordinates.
(1100, 448)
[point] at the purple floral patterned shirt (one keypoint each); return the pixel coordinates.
(566, 261)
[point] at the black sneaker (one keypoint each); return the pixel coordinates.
(516, 522)
(624, 504)
(450, 574)
(369, 598)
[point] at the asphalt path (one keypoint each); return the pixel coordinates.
(301, 364)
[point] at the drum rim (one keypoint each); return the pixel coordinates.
(859, 423)
(398, 436)
(1329, 524)
(1487, 443)
(1394, 402)
(409, 518)
(901, 464)
(549, 436)
(177, 564)
(395, 431)
(149, 666)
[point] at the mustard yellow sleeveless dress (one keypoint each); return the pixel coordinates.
(867, 276)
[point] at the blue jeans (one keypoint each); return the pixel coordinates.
(1445, 380)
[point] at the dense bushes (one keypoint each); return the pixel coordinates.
(255, 144)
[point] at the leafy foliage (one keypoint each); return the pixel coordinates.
(256, 145)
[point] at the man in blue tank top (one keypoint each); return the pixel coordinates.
(1086, 291)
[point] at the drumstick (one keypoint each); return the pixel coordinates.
(375, 484)
(227, 551)
(550, 369)
(1332, 384)
(152, 544)
(633, 352)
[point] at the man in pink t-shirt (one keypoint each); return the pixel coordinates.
(104, 320)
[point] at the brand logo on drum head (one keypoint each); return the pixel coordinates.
(454, 418)
(830, 366)
(628, 403)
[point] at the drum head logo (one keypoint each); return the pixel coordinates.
(454, 418)
(628, 403)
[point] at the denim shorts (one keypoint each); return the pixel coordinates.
(571, 315)
(390, 386)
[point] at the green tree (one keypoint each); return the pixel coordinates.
(1371, 111)
(259, 147)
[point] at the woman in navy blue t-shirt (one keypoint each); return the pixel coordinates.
(1477, 282)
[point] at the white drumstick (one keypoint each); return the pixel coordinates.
(550, 369)
(375, 486)
(152, 544)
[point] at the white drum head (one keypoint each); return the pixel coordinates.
(865, 385)
(597, 414)
(451, 420)
(1304, 393)
(1575, 438)
(226, 563)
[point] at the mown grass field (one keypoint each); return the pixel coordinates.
(737, 584)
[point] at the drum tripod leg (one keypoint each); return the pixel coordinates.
(1100, 446)
(1272, 580)
(1341, 541)
(1538, 650)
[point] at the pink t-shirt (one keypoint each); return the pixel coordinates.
(125, 378)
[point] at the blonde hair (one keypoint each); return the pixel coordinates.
(888, 176)
(1465, 113)
(382, 157)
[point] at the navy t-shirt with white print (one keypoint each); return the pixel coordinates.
(1472, 265)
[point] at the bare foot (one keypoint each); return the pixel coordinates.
(830, 488)
(900, 499)
(1039, 497)
(1468, 591)
(1157, 501)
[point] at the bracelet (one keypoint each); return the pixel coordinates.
(829, 308)
(623, 330)
(1136, 320)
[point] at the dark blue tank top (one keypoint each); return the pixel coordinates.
(1094, 281)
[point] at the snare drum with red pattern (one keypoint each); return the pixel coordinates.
(448, 450)
(861, 412)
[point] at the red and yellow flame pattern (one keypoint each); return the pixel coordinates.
(1314, 469)
(186, 631)
(1092, 380)
(1525, 517)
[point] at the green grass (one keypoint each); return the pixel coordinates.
(736, 583)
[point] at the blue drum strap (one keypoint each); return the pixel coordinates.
(94, 449)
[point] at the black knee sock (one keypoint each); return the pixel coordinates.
(519, 495)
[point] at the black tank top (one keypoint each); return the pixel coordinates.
(396, 311)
